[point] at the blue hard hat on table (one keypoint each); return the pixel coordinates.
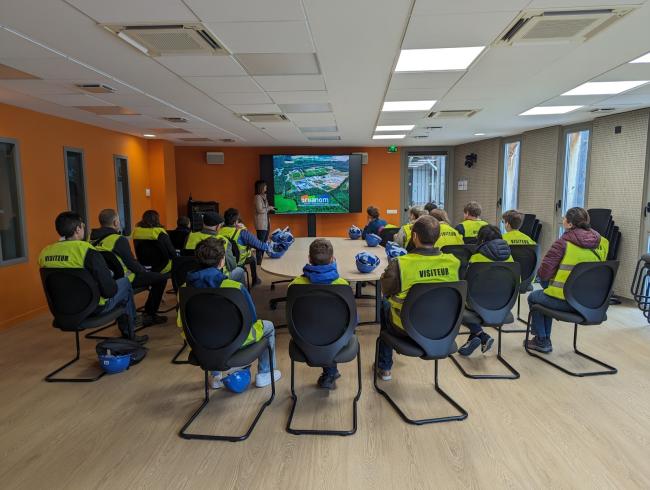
(366, 262)
(373, 240)
(354, 232)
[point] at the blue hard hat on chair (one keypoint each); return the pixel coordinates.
(354, 232)
(395, 251)
(366, 262)
(373, 240)
(239, 380)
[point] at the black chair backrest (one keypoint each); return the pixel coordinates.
(72, 296)
(599, 219)
(526, 257)
(187, 252)
(537, 231)
(113, 264)
(528, 224)
(216, 323)
(387, 235)
(614, 243)
(462, 253)
(178, 238)
(181, 266)
(151, 253)
(432, 313)
(321, 319)
(589, 288)
(492, 289)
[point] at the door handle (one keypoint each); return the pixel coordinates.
(646, 209)
(499, 202)
(558, 204)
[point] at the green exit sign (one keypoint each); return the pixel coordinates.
(392, 149)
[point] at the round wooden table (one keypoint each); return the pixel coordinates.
(291, 263)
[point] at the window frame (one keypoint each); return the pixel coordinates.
(21, 205)
(574, 128)
(128, 187)
(502, 171)
(67, 149)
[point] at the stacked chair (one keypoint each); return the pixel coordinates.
(640, 288)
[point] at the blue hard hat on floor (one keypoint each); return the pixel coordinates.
(238, 381)
(114, 364)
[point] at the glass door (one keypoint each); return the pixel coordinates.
(510, 178)
(574, 172)
(75, 181)
(426, 175)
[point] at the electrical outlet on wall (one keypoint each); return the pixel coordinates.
(147, 192)
(391, 211)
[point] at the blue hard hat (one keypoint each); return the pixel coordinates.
(282, 236)
(238, 380)
(354, 232)
(373, 240)
(390, 245)
(366, 262)
(395, 251)
(114, 364)
(276, 250)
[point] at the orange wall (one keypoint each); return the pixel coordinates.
(163, 181)
(232, 185)
(41, 140)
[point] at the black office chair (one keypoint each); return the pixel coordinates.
(321, 321)
(462, 253)
(526, 257)
(72, 296)
(150, 253)
(216, 322)
(537, 231)
(640, 287)
(431, 317)
(587, 290)
(387, 235)
(470, 240)
(492, 290)
(178, 238)
(181, 266)
(528, 224)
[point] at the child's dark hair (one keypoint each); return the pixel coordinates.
(488, 233)
(183, 222)
(427, 229)
(440, 214)
(231, 216)
(210, 252)
(430, 206)
(473, 209)
(373, 212)
(259, 185)
(579, 218)
(514, 218)
(321, 252)
(67, 222)
(150, 219)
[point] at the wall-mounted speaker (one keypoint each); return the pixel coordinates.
(364, 157)
(214, 158)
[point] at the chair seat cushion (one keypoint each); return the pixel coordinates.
(470, 316)
(346, 354)
(243, 357)
(407, 346)
(564, 316)
(95, 321)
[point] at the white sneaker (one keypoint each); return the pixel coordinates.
(264, 379)
(215, 380)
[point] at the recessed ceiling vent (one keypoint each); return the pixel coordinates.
(227, 140)
(169, 40)
(557, 26)
(263, 118)
(175, 119)
(453, 114)
(602, 109)
(96, 88)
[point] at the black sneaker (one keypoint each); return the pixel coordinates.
(148, 320)
(470, 346)
(540, 345)
(486, 342)
(328, 381)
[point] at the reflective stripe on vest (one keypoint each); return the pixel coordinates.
(573, 256)
(305, 280)
(257, 329)
(66, 254)
(140, 233)
(516, 237)
(479, 257)
(232, 233)
(417, 269)
(472, 227)
(448, 236)
(107, 244)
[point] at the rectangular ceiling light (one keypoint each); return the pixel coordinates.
(408, 105)
(547, 110)
(399, 127)
(604, 88)
(388, 136)
(441, 59)
(643, 59)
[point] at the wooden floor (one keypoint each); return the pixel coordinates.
(545, 430)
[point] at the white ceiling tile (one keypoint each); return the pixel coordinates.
(255, 108)
(38, 87)
(574, 100)
(79, 100)
(279, 64)
(439, 7)
(628, 99)
(433, 81)
(246, 10)
(220, 85)
(291, 83)
(129, 11)
(13, 46)
(416, 94)
(202, 66)
(453, 31)
(242, 98)
(386, 118)
(140, 121)
(626, 72)
(158, 111)
(51, 68)
(264, 37)
(299, 97)
(545, 4)
(317, 119)
(129, 100)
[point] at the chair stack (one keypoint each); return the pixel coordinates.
(640, 288)
(531, 226)
(603, 222)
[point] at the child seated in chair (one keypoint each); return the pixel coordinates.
(211, 255)
(321, 269)
(490, 247)
(513, 220)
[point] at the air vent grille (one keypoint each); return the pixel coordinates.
(96, 88)
(175, 119)
(452, 114)
(264, 118)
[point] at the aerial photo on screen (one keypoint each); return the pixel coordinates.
(311, 183)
